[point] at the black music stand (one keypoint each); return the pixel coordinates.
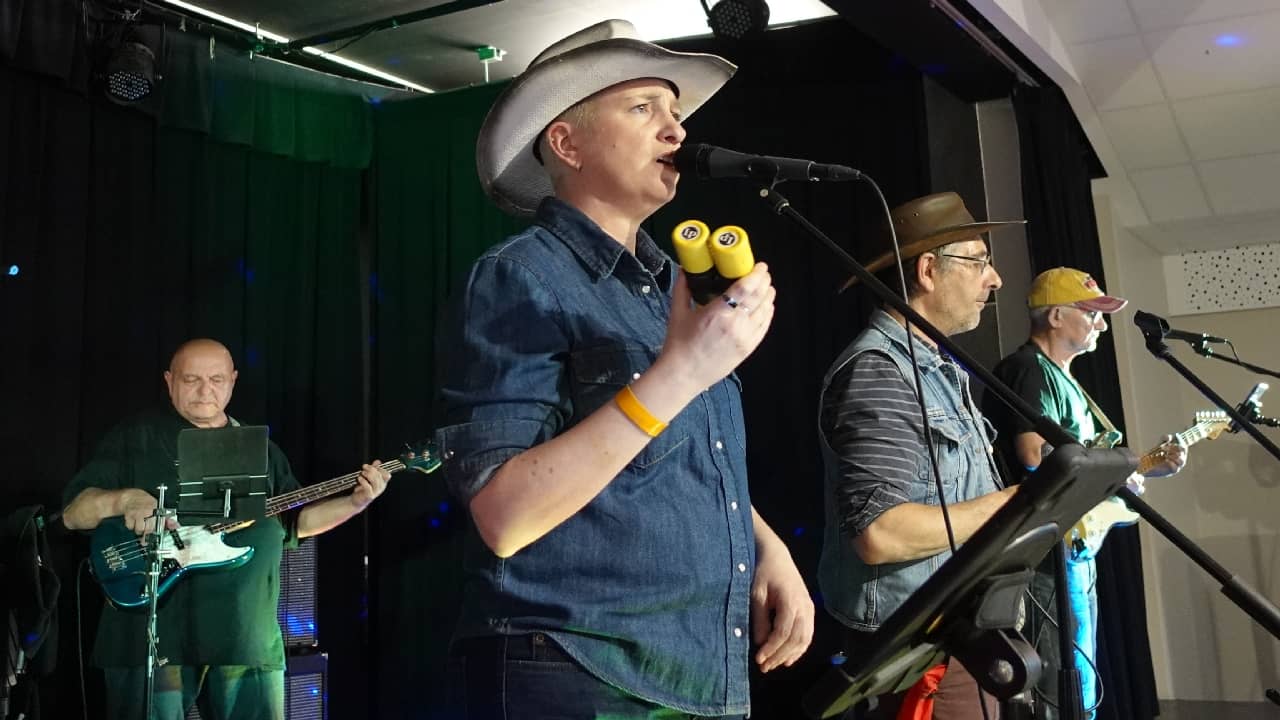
(969, 608)
(222, 476)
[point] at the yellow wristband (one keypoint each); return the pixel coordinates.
(637, 413)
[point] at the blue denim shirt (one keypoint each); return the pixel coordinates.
(648, 585)
(863, 596)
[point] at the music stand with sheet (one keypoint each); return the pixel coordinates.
(969, 607)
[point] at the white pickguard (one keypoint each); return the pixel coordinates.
(202, 548)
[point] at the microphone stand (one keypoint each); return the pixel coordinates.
(1203, 348)
(155, 542)
(1248, 599)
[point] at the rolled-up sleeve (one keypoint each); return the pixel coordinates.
(871, 420)
(504, 381)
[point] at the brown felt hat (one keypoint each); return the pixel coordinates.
(927, 223)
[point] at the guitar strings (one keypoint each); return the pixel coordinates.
(131, 549)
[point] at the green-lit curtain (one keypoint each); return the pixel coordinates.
(433, 220)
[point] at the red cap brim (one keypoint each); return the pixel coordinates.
(1105, 303)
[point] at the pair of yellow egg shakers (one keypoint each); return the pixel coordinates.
(712, 261)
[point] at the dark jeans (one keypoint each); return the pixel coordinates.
(528, 677)
(222, 692)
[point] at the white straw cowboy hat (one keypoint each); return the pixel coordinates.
(571, 70)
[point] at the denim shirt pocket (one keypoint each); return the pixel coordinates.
(598, 373)
(949, 436)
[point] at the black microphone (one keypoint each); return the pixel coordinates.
(1150, 324)
(709, 162)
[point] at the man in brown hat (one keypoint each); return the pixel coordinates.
(885, 533)
(595, 427)
(1068, 313)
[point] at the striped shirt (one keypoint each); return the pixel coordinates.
(871, 419)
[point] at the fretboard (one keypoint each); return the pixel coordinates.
(308, 494)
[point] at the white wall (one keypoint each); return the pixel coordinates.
(1227, 500)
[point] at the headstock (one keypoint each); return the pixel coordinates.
(1212, 423)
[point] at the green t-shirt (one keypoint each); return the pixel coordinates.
(210, 616)
(1036, 379)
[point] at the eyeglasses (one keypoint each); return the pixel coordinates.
(983, 261)
(1090, 315)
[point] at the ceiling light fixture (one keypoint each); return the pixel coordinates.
(737, 19)
(258, 31)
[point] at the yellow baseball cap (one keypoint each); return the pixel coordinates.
(1067, 286)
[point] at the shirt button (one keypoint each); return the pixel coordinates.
(737, 632)
(635, 376)
(733, 505)
(645, 289)
(742, 567)
(719, 445)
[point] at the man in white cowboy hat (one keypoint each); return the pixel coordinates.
(885, 533)
(594, 425)
(1068, 313)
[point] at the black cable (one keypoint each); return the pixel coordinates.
(1097, 676)
(924, 412)
(351, 42)
(84, 698)
(911, 350)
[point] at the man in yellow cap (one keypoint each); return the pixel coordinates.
(885, 532)
(594, 423)
(1068, 312)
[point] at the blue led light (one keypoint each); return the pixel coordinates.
(13, 270)
(1229, 40)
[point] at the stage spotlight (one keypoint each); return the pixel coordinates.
(130, 65)
(738, 19)
(130, 73)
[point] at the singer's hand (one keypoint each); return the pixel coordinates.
(1175, 458)
(706, 343)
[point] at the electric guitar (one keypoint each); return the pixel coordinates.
(1086, 536)
(118, 558)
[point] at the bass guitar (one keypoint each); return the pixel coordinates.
(1086, 536)
(118, 557)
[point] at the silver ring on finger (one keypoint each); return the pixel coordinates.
(728, 300)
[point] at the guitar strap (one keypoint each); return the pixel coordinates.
(1097, 411)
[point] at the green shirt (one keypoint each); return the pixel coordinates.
(1046, 387)
(210, 616)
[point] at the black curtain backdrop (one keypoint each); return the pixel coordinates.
(1062, 231)
(129, 238)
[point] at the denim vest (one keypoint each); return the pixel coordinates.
(647, 586)
(863, 596)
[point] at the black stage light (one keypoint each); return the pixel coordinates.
(130, 73)
(738, 19)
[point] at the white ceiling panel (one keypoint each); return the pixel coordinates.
(1243, 185)
(1145, 137)
(1223, 126)
(1117, 73)
(1218, 57)
(1085, 20)
(1161, 14)
(1170, 193)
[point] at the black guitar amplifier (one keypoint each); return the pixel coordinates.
(297, 609)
